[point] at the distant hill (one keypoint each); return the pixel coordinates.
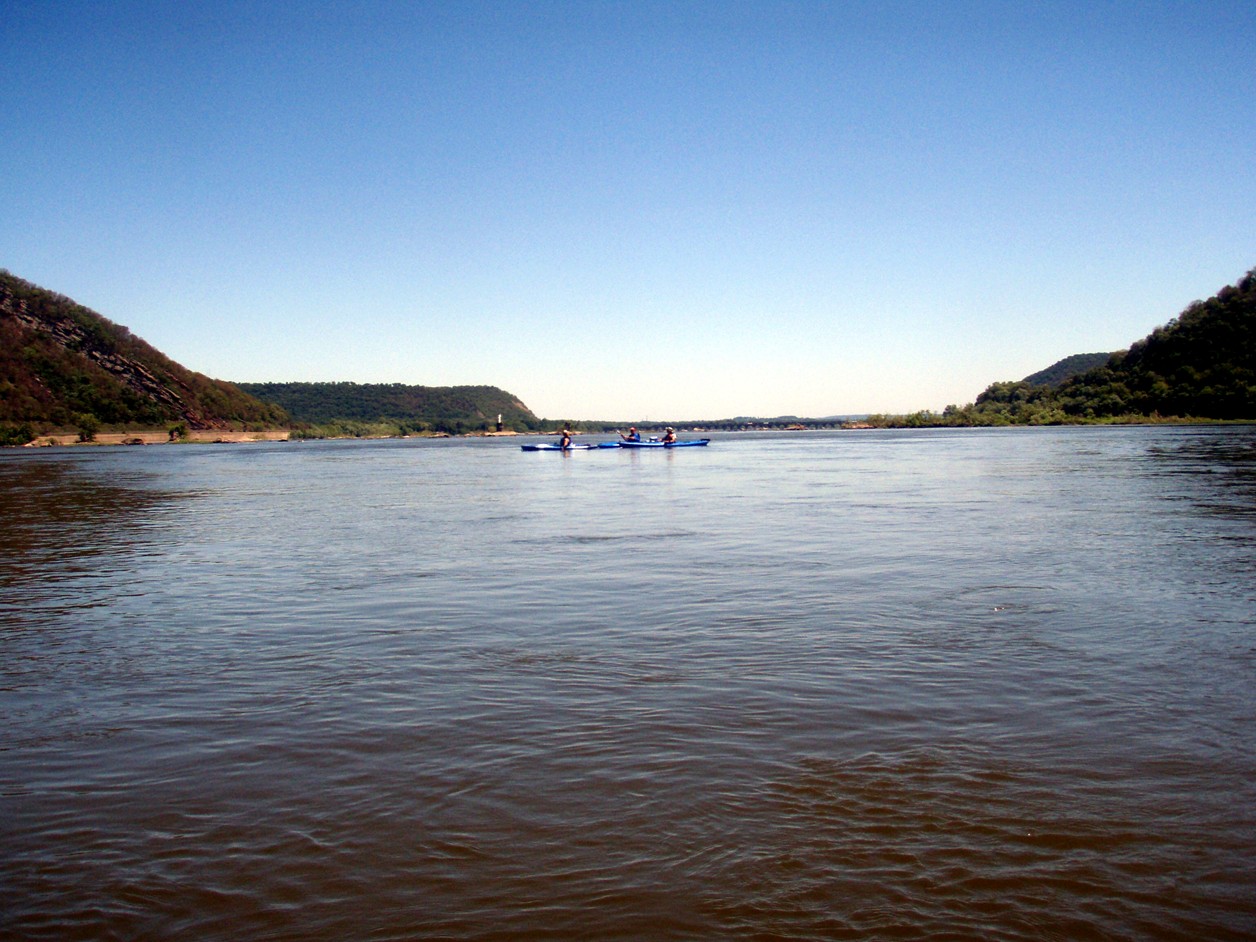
(1066, 369)
(451, 409)
(65, 366)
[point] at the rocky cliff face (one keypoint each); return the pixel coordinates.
(63, 364)
(70, 335)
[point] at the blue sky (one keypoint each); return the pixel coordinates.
(632, 210)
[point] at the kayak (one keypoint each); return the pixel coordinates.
(550, 446)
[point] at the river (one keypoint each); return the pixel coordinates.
(851, 685)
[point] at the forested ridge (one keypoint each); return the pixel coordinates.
(395, 408)
(1200, 365)
(63, 365)
(1066, 369)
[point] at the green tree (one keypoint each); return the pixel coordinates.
(88, 426)
(16, 434)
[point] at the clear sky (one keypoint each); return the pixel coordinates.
(626, 210)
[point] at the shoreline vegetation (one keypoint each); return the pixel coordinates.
(925, 420)
(70, 376)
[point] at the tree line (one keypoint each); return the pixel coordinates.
(349, 409)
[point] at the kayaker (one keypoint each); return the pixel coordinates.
(565, 441)
(632, 436)
(670, 436)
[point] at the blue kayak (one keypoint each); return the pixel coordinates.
(550, 446)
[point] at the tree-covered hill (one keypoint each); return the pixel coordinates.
(65, 366)
(402, 408)
(1066, 369)
(1200, 365)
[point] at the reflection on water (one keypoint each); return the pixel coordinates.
(63, 529)
(882, 685)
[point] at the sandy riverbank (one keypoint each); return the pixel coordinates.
(162, 437)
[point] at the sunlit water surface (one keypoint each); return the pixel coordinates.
(906, 685)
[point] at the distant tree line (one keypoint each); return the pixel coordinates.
(373, 409)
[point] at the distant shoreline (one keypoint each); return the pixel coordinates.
(228, 436)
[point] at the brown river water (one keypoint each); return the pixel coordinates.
(956, 684)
